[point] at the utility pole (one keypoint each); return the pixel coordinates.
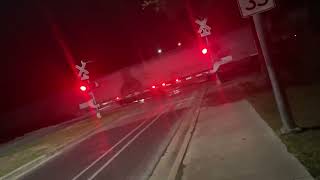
(254, 8)
(288, 123)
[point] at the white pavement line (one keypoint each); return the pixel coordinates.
(123, 148)
(22, 167)
(107, 152)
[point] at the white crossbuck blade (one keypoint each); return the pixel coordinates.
(83, 73)
(222, 61)
(204, 29)
(87, 104)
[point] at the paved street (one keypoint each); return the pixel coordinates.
(127, 150)
(230, 141)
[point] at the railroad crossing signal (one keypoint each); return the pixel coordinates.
(204, 31)
(84, 75)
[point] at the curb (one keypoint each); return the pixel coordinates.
(170, 163)
(178, 161)
(22, 168)
(164, 165)
(186, 141)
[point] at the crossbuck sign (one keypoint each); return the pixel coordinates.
(83, 73)
(204, 29)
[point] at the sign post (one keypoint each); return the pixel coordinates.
(84, 76)
(253, 8)
(205, 31)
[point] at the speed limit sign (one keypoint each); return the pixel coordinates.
(251, 7)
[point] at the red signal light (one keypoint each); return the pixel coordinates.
(117, 98)
(163, 84)
(204, 51)
(153, 87)
(177, 80)
(83, 88)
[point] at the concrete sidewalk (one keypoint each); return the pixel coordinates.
(232, 142)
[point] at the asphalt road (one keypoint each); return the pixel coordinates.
(130, 151)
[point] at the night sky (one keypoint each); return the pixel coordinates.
(42, 40)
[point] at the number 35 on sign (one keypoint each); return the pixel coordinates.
(251, 7)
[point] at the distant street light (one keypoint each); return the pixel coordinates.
(159, 51)
(179, 44)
